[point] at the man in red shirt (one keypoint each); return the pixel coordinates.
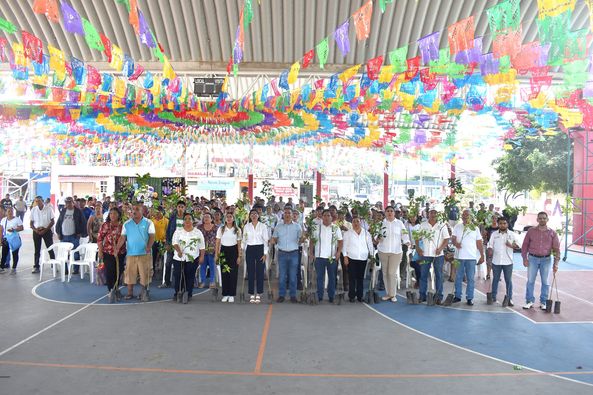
(540, 244)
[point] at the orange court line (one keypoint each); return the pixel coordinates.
(283, 374)
(263, 342)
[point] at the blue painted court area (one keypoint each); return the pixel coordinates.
(506, 336)
(79, 291)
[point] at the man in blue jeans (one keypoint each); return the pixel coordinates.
(71, 226)
(326, 247)
(468, 241)
(500, 247)
(539, 245)
(430, 249)
(287, 236)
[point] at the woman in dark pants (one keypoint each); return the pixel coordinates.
(189, 246)
(415, 260)
(358, 247)
(255, 238)
(107, 239)
(228, 243)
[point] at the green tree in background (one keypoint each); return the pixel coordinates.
(537, 162)
(483, 186)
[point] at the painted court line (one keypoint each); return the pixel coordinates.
(285, 374)
(554, 374)
(9, 349)
(263, 342)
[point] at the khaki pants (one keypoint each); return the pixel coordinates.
(390, 267)
(138, 265)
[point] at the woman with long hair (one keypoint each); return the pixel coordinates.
(228, 255)
(208, 229)
(10, 225)
(255, 240)
(107, 239)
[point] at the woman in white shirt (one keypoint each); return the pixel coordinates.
(9, 226)
(390, 251)
(190, 249)
(358, 247)
(255, 239)
(228, 245)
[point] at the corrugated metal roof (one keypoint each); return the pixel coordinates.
(199, 34)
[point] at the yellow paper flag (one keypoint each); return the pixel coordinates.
(56, 60)
(168, 70)
(19, 54)
(120, 87)
(554, 7)
(294, 72)
(117, 58)
(347, 74)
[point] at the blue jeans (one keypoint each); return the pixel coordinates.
(208, 263)
(76, 241)
(466, 267)
(543, 265)
(287, 265)
(508, 279)
(321, 265)
(438, 263)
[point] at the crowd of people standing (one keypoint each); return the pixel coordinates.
(201, 237)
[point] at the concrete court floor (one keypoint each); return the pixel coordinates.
(233, 349)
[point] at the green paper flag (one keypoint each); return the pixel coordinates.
(383, 3)
(398, 58)
(7, 26)
(235, 70)
(126, 3)
(247, 13)
(504, 64)
(158, 54)
(322, 50)
(91, 36)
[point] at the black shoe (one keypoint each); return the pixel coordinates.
(174, 298)
(381, 288)
(511, 304)
(75, 272)
(161, 286)
(352, 300)
(331, 300)
(35, 270)
(280, 299)
(293, 299)
(422, 300)
(438, 302)
(470, 302)
(456, 300)
(487, 277)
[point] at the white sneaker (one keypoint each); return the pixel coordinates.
(224, 299)
(257, 299)
(252, 299)
(394, 299)
(542, 306)
(231, 299)
(528, 305)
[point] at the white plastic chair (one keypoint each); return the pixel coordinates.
(409, 269)
(88, 258)
(61, 251)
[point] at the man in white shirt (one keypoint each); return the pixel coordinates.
(500, 246)
(326, 249)
(358, 247)
(468, 241)
(430, 250)
(42, 220)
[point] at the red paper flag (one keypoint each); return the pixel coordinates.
(413, 66)
(47, 7)
(134, 20)
(307, 59)
(93, 78)
(107, 45)
(229, 66)
(374, 67)
(319, 84)
(461, 35)
(33, 47)
(362, 20)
